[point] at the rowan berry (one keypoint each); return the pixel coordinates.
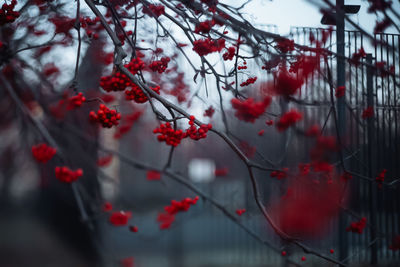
(168, 135)
(154, 10)
(43, 153)
(340, 91)
(221, 172)
(120, 218)
(229, 54)
(209, 112)
(104, 161)
(288, 119)
(7, 13)
(76, 101)
(240, 211)
(160, 65)
(381, 178)
(285, 45)
(133, 229)
(107, 206)
(248, 110)
(249, 81)
(153, 175)
(66, 175)
(206, 46)
(368, 113)
(357, 227)
(106, 117)
(136, 94)
(168, 217)
(119, 81)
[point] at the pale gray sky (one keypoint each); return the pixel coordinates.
(286, 13)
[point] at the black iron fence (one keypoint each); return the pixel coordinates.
(370, 145)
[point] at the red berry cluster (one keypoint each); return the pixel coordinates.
(383, 70)
(288, 119)
(66, 175)
(368, 113)
(304, 168)
(50, 69)
(395, 243)
(105, 116)
(136, 94)
(133, 229)
(197, 133)
(221, 172)
(173, 137)
(249, 81)
(120, 218)
(130, 261)
(381, 178)
(280, 174)
(127, 123)
(43, 153)
(357, 227)
(322, 166)
(76, 101)
(180, 89)
(107, 206)
(168, 135)
(340, 91)
(285, 45)
(104, 161)
(119, 81)
(63, 24)
(66, 103)
(204, 27)
(242, 67)
(248, 110)
(240, 211)
(160, 65)
(378, 5)
(154, 10)
(286, 84)
(91, 26)
(269, 122)
(228, 55)
(167, 218)
(346, 176)
(209, 112)
(381, 26)
(247, 149)
(153, 175)
(313, 130)
(206, 46)
(355, 59)
(7, 13)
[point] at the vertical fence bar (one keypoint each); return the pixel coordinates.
(371, 161)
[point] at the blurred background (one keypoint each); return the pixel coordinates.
(43, 223)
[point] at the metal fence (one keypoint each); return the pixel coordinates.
(371, 145)
(208, 238)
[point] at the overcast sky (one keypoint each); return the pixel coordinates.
(286, 13)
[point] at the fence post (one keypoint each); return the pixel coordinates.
(371, 160)
(340, 105)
